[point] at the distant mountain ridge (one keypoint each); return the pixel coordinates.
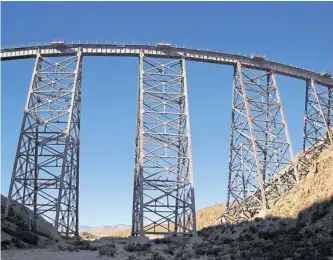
(83, 228)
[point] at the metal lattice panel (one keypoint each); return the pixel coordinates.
(163, 199)
(260, 147)
(46, 168)
(318, 119)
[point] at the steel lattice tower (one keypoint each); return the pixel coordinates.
(318, 119)
(260, 146)
(45, 176)
(163, 197)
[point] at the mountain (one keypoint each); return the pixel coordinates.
(103, 228)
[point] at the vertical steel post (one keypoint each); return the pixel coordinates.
(189, 147)
(305, 114)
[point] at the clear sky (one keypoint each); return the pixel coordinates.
(295, 33)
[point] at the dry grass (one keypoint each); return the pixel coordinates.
(316, 186)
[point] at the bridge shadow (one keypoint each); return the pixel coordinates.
(308, 236)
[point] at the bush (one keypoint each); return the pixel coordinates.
(129, 247)
(324, 249)
(200, 249)
(169, 250)
(216, 250)
(317, 215)
(162, 241)
(107, 250)
(227, 241)
(158, 256)
(131, 257)
(252, 229)
(248, 237)
(137, 247)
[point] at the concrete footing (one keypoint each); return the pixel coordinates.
(138, 240)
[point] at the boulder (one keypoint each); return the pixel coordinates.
(6, 239)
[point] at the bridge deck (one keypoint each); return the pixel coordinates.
(166, 52)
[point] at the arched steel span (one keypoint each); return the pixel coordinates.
(262, 167)
(166, 52)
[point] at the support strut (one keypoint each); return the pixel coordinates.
(45, 175)
(261, 165)
(163, 196)
(318, 122)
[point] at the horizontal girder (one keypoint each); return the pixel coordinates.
(166, 52)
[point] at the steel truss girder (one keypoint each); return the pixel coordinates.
(45, 178)
(318, 120)
(163, 197)
(261, 165)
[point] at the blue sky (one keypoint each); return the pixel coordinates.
(294, 33)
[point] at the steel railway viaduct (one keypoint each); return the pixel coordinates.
(262, 166)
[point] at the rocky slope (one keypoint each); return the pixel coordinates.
(15, 232)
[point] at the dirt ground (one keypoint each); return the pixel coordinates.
(48, 254)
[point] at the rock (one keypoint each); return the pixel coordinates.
(107, 250)
(6, 239)
(7, 246)
(80, 244)
(25, 235)
(72, 248)
(19, 243)
(44, 241)
(93, 247)
(62, 247)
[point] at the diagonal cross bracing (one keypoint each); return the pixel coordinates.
(46, 168)
(260, 147)
(163, 197)
(318, 119)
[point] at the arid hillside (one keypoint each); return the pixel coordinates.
(316, 186)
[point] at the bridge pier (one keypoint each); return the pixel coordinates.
(163, 196)
(261, 164)
(318, 118)
(45, 176)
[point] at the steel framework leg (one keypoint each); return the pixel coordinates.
(261, 165)
(163, 197)
(46, 167)
(318, 119)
